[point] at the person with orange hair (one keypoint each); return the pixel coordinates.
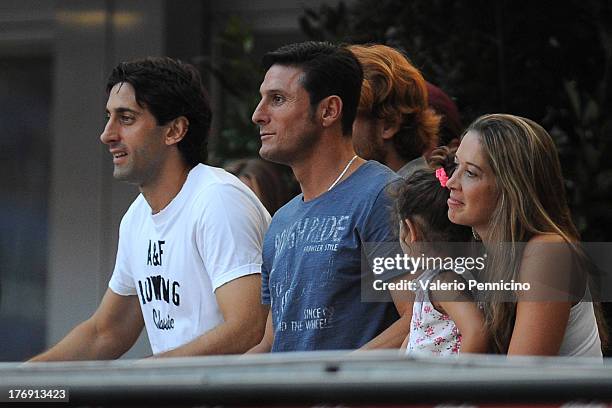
(394, 125)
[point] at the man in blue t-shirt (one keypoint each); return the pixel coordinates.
(311, 274)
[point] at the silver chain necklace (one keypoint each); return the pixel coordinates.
(343, 173)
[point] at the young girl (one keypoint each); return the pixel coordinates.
(444, 322)
(508, 187)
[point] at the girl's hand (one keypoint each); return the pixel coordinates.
(461, 308)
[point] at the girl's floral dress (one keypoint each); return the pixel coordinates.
(431, 332)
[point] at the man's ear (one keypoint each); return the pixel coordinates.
(330, 109)
(391, 127)
(177, 129)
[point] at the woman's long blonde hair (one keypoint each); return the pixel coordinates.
(531, 201)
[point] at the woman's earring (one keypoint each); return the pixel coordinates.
(475, 235)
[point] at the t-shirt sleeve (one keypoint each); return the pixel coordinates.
(230, 234)
(380, 235)
(265, 284)
(122, 282)
(378, 222)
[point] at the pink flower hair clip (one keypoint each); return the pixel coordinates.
(441, 176)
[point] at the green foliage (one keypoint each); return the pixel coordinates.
(237, 70)
(545, 60)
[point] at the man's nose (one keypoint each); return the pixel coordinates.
(259, 115)
(109, 134)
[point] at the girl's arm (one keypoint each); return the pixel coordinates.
(462, 309)
(404, 345)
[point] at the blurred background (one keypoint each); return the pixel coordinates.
(60, 208)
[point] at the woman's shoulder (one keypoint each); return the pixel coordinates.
(548, 265)
(545, 245)
(550, 238)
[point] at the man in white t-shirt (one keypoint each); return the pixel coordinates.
(189, 258)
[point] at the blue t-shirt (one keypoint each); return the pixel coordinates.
(311, 273)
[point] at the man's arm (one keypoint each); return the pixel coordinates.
(384, 242)
(243, 326)
(265, 346)
(107, 334)
(394, 335)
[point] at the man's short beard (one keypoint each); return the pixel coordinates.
(128, 177)
(140, 172)
(301, 147)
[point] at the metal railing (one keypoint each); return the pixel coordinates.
(306, 379)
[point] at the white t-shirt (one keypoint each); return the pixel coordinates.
(208, 235)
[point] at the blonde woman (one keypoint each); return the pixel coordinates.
(508, 187)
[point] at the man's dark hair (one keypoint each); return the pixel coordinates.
(168, 89)
(328, 70)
